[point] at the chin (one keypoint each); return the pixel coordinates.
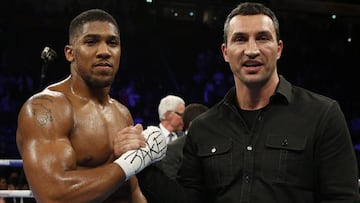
(254, 80)
(96, 83)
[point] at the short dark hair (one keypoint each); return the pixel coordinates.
(89, 16)
(191, 112)
(251, 8)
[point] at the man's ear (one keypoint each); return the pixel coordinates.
(224, 51)
(280, 48)
(69, 53)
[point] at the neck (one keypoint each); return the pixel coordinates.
(83, 92)
(255, 97)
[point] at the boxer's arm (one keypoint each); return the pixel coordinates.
(44, 124)
(136, 195)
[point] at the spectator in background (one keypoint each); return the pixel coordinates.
(3, 186)
(192, 111)
(12, 185)
(3, 183)
(16, 182)
(171, 109)
(173, 159)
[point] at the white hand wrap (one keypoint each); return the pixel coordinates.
(134, 161)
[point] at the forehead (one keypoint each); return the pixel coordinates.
(99, 28)
(251, 23)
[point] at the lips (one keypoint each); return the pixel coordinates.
(252, 63)
(104, 68)
(103, 64)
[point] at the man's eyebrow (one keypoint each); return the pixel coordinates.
(264, 32)
(98, 37)
(114, 37)
(239, 34)
(91, 36)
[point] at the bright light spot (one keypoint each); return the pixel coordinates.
(333, 16)
(349, 39)
(148, 1)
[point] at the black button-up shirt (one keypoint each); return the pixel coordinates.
(299, 150)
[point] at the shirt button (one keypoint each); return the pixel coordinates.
(249, 148)
(247, 179)
(213, 150)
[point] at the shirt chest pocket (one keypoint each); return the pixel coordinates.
(284, 160)
(217, 162)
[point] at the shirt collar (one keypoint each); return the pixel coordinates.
(164, 130)
(283, 93)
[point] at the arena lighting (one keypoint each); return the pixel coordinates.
(185, 12)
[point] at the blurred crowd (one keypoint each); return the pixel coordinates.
(13, 179)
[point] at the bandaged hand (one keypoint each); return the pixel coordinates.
(134, 161)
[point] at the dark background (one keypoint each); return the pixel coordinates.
(166, 50)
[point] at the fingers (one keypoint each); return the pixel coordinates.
(129, 138)
(139, 127)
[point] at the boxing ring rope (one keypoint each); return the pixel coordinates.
(11, 162)
(14, 193)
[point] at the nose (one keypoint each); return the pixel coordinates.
(103, 50)
(252, 49)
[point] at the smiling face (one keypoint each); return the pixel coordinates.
(251, 49)
(95, 53)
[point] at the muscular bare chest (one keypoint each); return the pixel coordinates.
(94, 130)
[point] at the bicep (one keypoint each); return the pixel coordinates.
(42, 138)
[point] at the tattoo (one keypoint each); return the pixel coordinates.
(41, 112)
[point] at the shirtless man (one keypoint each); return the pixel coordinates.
(73, 136)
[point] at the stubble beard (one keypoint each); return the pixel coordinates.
(97, 83)
(255, 81)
